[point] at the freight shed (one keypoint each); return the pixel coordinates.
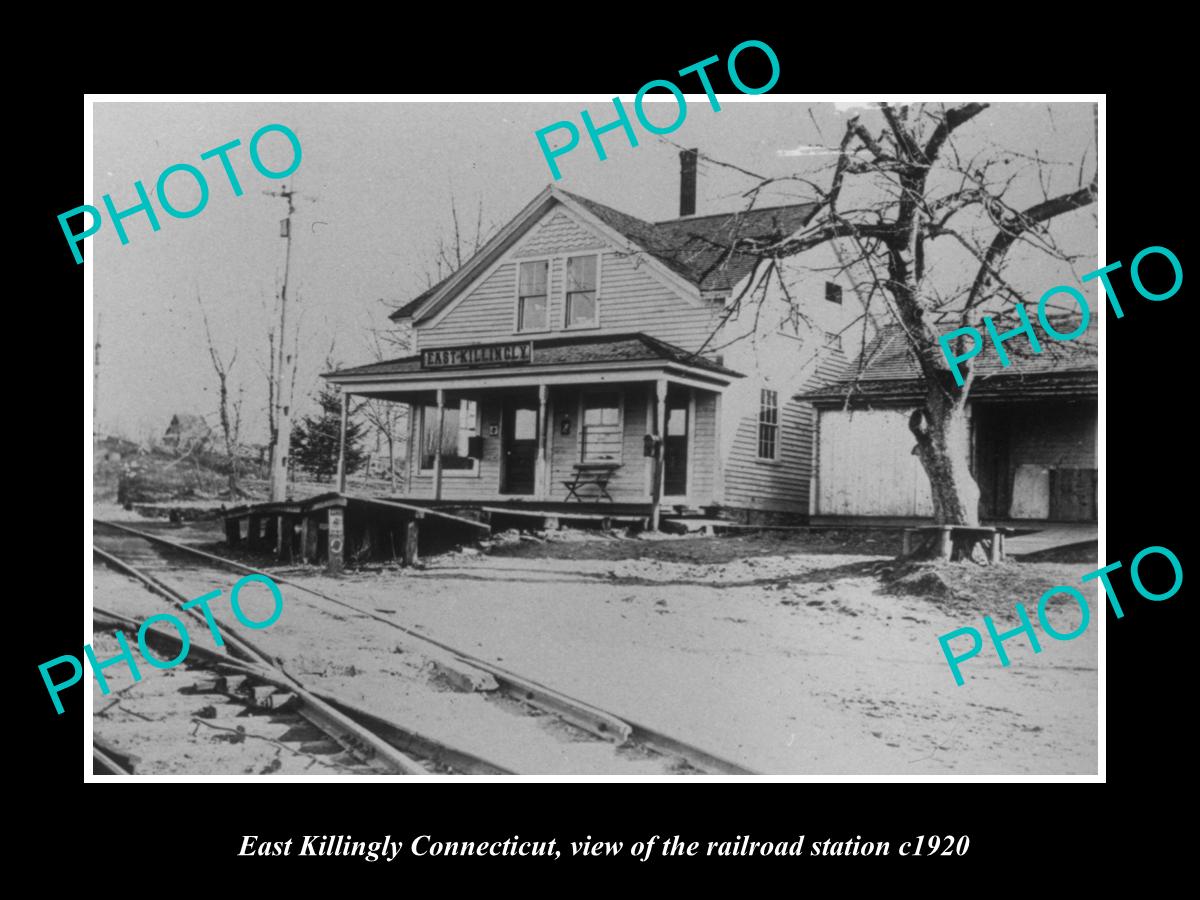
(1033, 437)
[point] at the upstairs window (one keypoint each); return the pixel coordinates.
(833, 339)
(768, 425)
(532, 296)
(833, 292)
(581, 292)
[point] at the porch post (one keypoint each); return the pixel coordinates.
(341, 470)
(660, 427)
(542, 428)
(437, 446)
(412, 454)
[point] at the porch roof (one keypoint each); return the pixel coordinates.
(555, 360)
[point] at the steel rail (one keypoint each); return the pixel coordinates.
(602, 723)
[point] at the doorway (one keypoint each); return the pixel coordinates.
(519, 430)
(675, 442)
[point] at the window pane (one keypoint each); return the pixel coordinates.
(449, 431)
(677, 421)
(460, 425)
(533, 278)
(581, 308)
(533, 313)
(525, 424)
(581, 273)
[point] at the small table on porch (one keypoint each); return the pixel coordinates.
(596, 475)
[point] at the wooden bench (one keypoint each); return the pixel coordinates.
(947, 539)
(596, 475)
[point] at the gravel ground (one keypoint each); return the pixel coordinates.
(786, 653)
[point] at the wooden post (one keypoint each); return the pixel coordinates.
(411, 533)
(413, 456)
(308, 531)
(337, 540)
(282, 535)
(944, 546)
(660, 426)
(437, 445)
(997, 555)
(233, 531)
(906, 543)
(253, 530)
(539, 475)
(342, 443)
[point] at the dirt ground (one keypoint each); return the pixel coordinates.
(792, 653)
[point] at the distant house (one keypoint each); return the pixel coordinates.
(580, 335)
(1033, 435)
(185, 432)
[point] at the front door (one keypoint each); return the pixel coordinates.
(520, 443)
(675, 445)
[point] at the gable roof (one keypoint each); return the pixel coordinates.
(568, 351)
(889, 370)
(414, 304)
(695, 248)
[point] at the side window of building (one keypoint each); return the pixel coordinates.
(581, 311)
(461, 423)
(532, 296)
(833, 292)
(600, 436)
(768, 425)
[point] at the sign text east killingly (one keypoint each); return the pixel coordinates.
(488, 355)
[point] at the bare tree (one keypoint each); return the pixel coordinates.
(453, 251)
(904, 200)
(390, 420)
(229, 410)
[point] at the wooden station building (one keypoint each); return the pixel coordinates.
(587, 359)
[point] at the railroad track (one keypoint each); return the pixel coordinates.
(177, 573)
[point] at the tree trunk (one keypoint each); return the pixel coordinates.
(943, 434)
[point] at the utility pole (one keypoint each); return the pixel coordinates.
(95, 375)
(282, 411)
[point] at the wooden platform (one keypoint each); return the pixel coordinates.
(335, 527)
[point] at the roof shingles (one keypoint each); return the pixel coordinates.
(698, 248)
(890, 370)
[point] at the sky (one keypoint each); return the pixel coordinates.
(374, 189)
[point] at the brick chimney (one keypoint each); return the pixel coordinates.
(687, 182)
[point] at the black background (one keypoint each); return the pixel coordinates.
(1012, 825)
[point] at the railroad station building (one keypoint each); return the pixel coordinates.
(585, 356)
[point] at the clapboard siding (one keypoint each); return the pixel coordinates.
(703, 458)
(762, 484)
(486, 314)
(630, 297)
(629, 482)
